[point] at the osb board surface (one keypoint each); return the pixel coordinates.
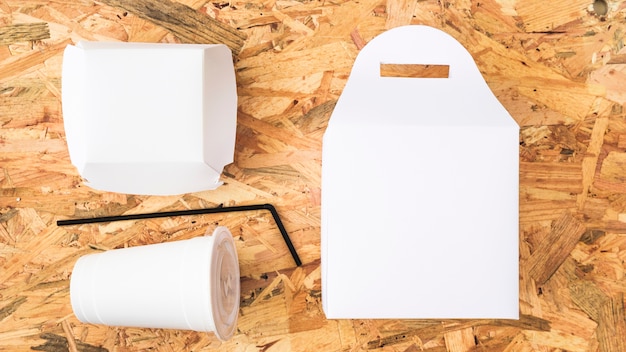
(558, 67)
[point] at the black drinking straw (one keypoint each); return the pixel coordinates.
(220, 209)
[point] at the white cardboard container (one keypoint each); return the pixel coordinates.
(419, 189)
(189, 284)
(149, 118)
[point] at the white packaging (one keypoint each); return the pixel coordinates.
(149, 118)
(190, 285)
(419, 189)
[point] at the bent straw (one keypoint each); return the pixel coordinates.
(220, 209)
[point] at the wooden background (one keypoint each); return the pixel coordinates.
(559, 67)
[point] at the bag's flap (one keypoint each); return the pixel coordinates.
(369, 97)
(151, 178)
(220, 107)
(73, 97)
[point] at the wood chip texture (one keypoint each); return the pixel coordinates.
(559, 68)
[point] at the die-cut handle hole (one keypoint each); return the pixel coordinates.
(414, 70)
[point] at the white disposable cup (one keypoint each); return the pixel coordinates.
(189, 285)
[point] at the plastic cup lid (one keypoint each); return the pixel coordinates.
(225, 285)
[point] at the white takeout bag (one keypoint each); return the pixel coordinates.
(149, 118)
(419, 189)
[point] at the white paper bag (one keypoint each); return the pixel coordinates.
(419, 189)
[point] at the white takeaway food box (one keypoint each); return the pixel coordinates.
(156, 119)
(419, 189)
